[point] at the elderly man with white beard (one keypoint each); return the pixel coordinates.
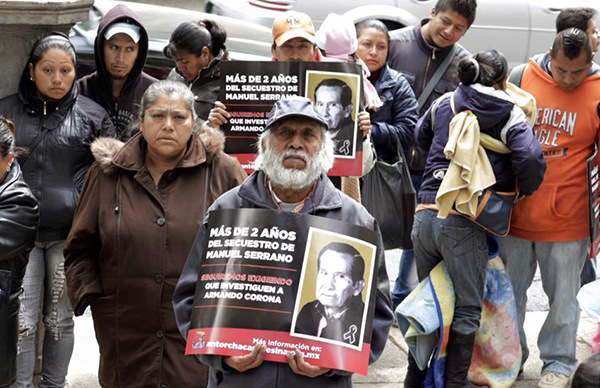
(295, 153)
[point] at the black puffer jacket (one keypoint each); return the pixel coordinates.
(56, 166)
(18, 226)
(206, 86)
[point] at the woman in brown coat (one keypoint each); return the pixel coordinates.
(141, 206)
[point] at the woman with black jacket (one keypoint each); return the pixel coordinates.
(198, 49)
(56, 125)
(18, 225)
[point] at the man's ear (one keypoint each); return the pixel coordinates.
(263, 146)
(358, 287)
(432, 13)
(348, 110)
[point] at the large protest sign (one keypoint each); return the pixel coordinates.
(269, 277)
(249, 90)
(594, 203)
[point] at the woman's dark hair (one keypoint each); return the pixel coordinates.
(7, 137)
(372, 23)
(376, 24)
(587, 374)
(192, 37)
(486, 67)
(160, 89)
(54, 39)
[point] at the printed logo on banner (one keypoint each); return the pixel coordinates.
(199, 342)
(332, 301)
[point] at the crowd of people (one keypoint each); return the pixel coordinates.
(107, 184)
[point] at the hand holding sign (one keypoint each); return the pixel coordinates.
(364, 123)
(300, 367)
(249, 361)
(218, 115)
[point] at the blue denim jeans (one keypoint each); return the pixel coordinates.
(45, 271)
(560, 266)
(464, 248)
(407, 278)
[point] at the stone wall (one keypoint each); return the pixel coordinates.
(22, 22)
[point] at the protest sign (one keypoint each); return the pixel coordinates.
(249, 90)
(268, 277)
(593, 203)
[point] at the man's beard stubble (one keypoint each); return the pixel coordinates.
(119, 77)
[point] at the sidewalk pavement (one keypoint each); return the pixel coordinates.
(387, 372)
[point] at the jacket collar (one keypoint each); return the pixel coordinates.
(543, 61)
(111, 153)
(385, 78)
(325, 196)
(213, 70)
(54, 112)
(11, 176)
(355, 304)
(492, 107)
(131, 155)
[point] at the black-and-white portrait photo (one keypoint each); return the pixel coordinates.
(332, 303)
(335, 99)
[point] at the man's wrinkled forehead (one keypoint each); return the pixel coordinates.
(297, 121)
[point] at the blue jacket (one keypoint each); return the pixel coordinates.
(397, 118)
(498, 117)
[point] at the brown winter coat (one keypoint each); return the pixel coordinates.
(127, 247)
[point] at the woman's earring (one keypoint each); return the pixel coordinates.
(31, 78)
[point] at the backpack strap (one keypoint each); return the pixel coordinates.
(516, 75)
(437, 102)
(437, 76)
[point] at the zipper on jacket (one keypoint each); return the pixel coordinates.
(44, 108)
(426, 73)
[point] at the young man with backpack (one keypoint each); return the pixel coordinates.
(550, 228)
(427, 54)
